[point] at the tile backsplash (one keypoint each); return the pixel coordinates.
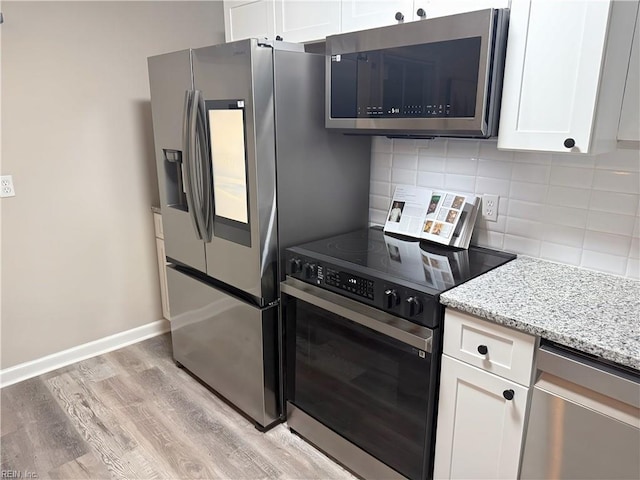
(574, 209)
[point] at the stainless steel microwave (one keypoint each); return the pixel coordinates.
(434, 77)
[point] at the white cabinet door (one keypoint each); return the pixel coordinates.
(364, 14)
(479, 432)
(162, 273)
(162, 264)
(254, 19)
(440, 8)
(629, 122)
(558, 84)
(307, 21)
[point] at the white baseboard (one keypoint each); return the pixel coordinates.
(33, 368)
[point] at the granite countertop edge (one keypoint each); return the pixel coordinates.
(545, 333)
(555, 302)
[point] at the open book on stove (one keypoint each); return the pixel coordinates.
(438, 216)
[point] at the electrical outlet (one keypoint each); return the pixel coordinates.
(490, 207)
(6, 186)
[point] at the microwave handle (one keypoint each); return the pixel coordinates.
(400, 329)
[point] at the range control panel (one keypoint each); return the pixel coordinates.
(388, 296)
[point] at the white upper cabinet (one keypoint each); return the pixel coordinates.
(244, 19)
(309, 20)
(440, 8)
(565, 72)
(364, 14)
(629, 122)
(313, 20)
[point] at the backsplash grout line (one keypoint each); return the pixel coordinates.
(547, 197)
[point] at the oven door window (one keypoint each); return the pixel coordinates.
(371, 389)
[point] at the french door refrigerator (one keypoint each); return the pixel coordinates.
(245, 169)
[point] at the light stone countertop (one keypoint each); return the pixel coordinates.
(590, 311)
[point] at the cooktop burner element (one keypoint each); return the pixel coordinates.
(401, 276)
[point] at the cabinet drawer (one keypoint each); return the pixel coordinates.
(157, 224)
(494, 348)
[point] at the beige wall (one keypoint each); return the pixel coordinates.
(77, 243)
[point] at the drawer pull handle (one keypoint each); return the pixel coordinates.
(508, 394)
(482, 349)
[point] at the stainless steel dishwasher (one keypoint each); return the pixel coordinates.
(584, 421)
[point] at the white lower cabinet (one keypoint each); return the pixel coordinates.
(162, 265)
(485, 380)
(480, 423)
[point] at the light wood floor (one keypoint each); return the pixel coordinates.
(132, 414)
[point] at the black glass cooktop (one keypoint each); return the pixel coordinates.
(420, 263)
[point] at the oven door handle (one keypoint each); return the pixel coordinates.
(402, 330)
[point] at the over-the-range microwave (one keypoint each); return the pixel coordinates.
(434, 77)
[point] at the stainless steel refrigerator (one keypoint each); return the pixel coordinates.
(245, 169)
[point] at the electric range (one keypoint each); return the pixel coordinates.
(397, 275)
(363, 343)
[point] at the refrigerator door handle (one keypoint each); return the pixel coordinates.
(205, 168)
(187, 146)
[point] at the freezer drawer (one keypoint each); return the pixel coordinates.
(227, 343)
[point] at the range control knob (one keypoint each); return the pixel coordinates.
(295, 266)
(413, 306)
(309, 270)
(391, 298)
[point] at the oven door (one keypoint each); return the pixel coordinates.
(366, 375)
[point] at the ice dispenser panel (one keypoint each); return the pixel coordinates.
(174, 175)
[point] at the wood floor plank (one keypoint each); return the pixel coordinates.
(105, 434)
(232, 429)
(38, 448)
(30, 401)
(115, 393)
(17, 452)
(9, 421)
(132, 414)
(154, 430)
(86, 467)
(181, 422)
(96, 368)
(128, 360)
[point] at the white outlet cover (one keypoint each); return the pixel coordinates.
(6, 186)
(490, 207)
